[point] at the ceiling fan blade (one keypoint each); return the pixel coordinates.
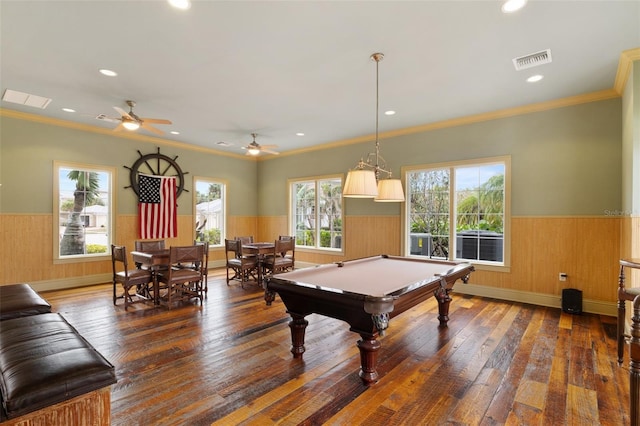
(151, 128)
(122, 112)
(268, 146)
(119, 127)
(270, 152)
(156, 120)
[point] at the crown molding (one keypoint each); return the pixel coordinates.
(624, 68)
(120, 135)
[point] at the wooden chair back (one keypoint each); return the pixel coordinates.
(245, 240)
(149, 245)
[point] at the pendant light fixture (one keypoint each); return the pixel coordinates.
(365, 180)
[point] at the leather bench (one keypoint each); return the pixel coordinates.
(44, 361)
(18, 300)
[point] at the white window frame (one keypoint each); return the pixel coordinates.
(59, 222)
(223, 197)
(452, 166)
(292, 213)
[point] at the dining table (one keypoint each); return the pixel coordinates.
(260, 250)
(155, 261)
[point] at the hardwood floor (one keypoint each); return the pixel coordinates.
(227, 362)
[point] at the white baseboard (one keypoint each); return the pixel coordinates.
(64, 283)
(540, 299)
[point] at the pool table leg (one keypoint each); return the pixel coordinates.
(298, 325)
(369, 347)
(444, 300)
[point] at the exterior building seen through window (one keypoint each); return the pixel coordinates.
(210, 210)
(83, 202)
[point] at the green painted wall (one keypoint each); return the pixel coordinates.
(565, 161)
(28, 150)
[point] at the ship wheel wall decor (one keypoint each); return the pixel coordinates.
(156, 164)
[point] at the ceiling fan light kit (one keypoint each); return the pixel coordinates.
(130, 121)
(130, 124)
(364, 181)
(254, 148)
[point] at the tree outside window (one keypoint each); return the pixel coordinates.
(457, 212)
(84, 214)
(317, 212)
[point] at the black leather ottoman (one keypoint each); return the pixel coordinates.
(18, 300)
(44, 361)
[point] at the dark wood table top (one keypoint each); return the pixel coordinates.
(151, 258)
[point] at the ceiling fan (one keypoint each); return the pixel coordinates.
(130, 121)
(254, 148)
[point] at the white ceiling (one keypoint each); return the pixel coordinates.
(223, 70)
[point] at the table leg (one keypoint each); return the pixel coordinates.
(269, 296)
(634, 364)
(156, 287)
(444, 300)
(369, 347)
(298, 325)
(621, 315)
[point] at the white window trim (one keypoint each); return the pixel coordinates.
(290, 214)
(505, 266)
(225, 185)
(57, 165)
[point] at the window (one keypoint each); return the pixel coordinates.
(316, 212)
(458, 211)
(209, 208)
(83, 221)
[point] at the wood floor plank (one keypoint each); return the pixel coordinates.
(228, 362)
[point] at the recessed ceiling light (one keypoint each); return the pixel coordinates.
(68, 110)
(299, 134)
(535, 78)
(223, 143)
(510, 6)
(180, 4)
(390, 112)
(173, 132)
(108, 73)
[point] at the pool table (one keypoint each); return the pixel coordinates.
(366, 293)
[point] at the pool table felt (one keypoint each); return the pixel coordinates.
(374, 276)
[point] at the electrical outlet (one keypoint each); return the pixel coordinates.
(562, 276)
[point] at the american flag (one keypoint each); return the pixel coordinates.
(157, 208)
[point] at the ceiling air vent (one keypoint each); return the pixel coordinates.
(25, 99)
(532, 60)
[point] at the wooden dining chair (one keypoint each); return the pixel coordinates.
(283, 258)
(246, 239)
(148, 246)
(243, 267)
(205, 264)
(140, 280)
(183, 282)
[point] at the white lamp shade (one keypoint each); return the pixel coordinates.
(390, 191)
(360, 184)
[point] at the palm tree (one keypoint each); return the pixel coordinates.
(331, 209)
(86, 192)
